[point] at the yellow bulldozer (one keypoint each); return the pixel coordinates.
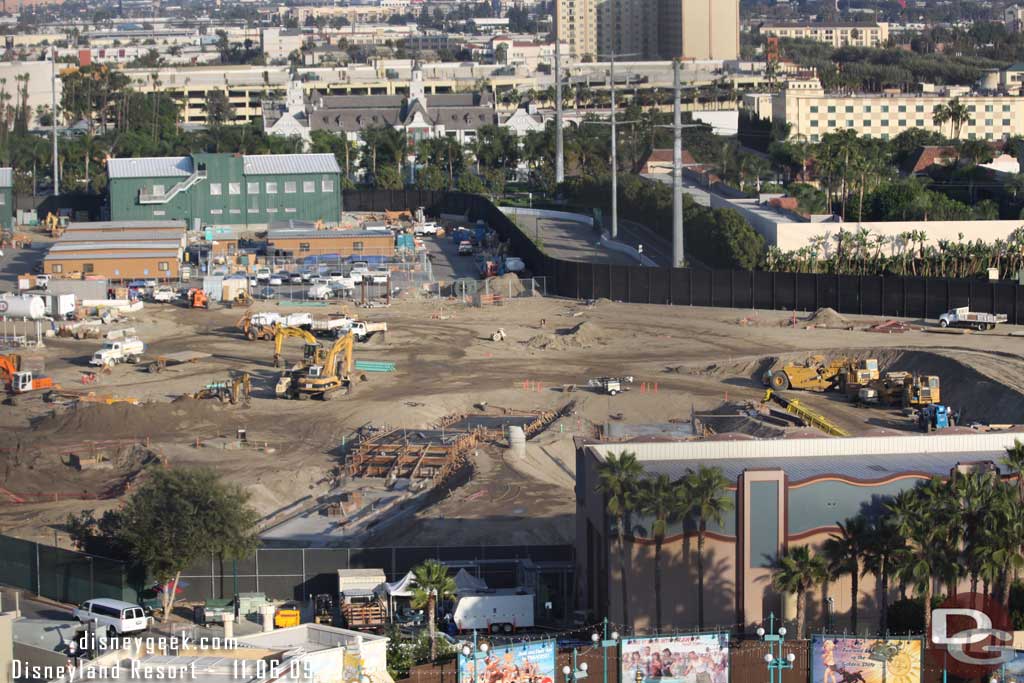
(817, 373)
(902, 389)
(856, 375)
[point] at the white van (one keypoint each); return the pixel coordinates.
(115, 616)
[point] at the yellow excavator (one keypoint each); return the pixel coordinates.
(325, 379)
(312, 354)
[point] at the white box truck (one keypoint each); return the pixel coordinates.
(497, 612)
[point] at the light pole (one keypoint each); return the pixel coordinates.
(559, 144)
(605, 643)
(776, 661)
(575, 672)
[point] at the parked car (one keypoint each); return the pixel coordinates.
(465, 248)
(426, 228)
(294, 278)
(307, 275)
(320, 291)
(116, 617)
(265, 293)
(276, 281)
(263, 274)
(164, 294)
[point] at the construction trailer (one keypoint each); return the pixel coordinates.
(361, 602)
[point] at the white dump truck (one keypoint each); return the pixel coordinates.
(116, 351)
(500, 611)
(965, 317)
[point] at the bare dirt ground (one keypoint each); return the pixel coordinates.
(697, 357)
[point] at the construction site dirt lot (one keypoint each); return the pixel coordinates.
(683, 359)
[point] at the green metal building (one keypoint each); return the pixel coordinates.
(226, 189)
(7, 198)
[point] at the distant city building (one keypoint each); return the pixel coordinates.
(812, 112)
(420, 116)
(278, 43)
(529, 53)
(628, 27)
(1013, 17)
(836, 35)
(576, 26)
(1009, 80)
(699, 29)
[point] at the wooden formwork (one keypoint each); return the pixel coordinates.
(394, 455)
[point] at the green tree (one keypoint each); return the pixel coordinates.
(218, 108)
(843, 551)
(618, 480)
(431, 178)
(664, 502)
(432, 584)
(470, 183)
(797, 572)
(708, 497)
(388, 178)
(177, 517)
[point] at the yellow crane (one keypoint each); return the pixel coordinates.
(323, 380)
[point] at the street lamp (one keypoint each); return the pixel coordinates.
(478, 649)
(609, 640)
(776, 661)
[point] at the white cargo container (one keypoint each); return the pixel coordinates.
(497, 612)
(24, 307)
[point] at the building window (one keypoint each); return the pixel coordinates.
(86, 267)
(271, 188)
(270, 210)
(289, 187)
(357, 246)
(867, 108)
(849, 123)
(308, 186)
(3, 199)
(289, 210)
(303, 246)
(814, 123)
(831, 124)
(215, 189)
(902, 123)
(849, 109)
(252, 188)
(988, 122)
(831, 110)
(163, 265)
(814, 110)
(235, 210)
(1006, 122)
(235, 188)
(919, 123)
(326, 185)
(885, 108)
(1006, 108)
(57, 268)
(988, 107)
(919, 109)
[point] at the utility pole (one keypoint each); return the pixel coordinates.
(677, 171)
(615, 157)
(559, 144)
(53, 113)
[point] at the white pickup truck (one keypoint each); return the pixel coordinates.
(263, 275)
(425, 228)
(965, 317)
(128, 350)
(164, 294)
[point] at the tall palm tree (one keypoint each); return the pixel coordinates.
(665, 502)
(432, 585)
(797, 572)
(707, 489)
(881, 555)
(618, 479)
(1014, 459)
(843, 551)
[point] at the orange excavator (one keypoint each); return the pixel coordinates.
(197, 298)
(17, 381)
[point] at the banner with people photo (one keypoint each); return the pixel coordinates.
(515, 663)
(676, 659)
(865, 660)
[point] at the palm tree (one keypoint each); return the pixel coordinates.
(432, 584)
(843, 552)
(797, 572)
(709, 501)
(665, 503)
(881, 554)
(1014, 459)
(618, 478)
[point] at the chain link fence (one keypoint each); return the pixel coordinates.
(474, 292)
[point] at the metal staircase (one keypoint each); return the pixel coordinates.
(164, 197)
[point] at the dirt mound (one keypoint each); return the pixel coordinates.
(828, 317)
(508, 285)
(184, 415)
(581, 336)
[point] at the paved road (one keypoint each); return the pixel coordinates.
(699, 194)
(32, 608)
(571, 241)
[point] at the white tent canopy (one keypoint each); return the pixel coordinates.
(467, 583)
(403, 588)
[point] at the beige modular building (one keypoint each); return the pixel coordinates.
(812, 113)
(836, 35)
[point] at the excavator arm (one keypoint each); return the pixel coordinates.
(285, 332)
(8, 366)
(342, 347)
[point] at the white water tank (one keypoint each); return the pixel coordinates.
(22, 307)
(517, 440)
